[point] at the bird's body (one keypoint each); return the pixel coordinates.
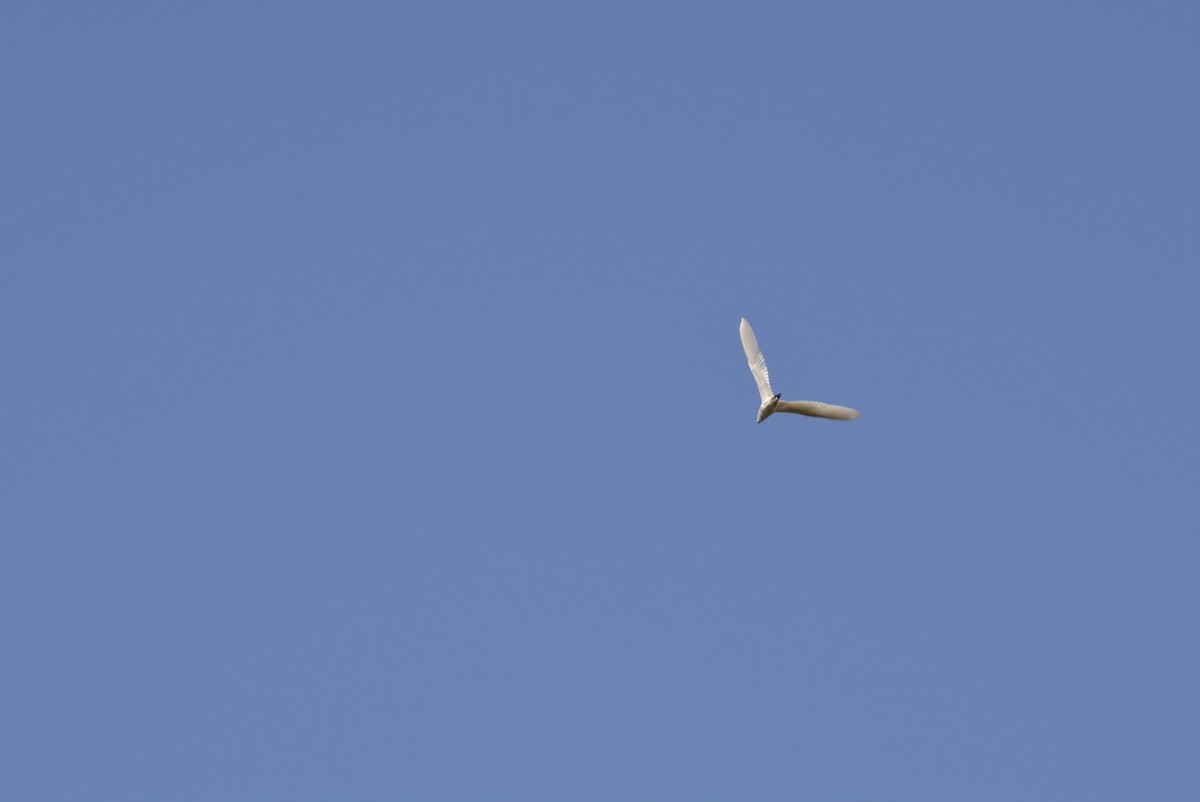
(767, 408)
(771, 402)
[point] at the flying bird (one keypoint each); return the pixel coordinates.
(770, 399)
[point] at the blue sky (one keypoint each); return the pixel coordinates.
(377, 426)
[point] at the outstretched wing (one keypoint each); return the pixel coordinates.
(758, 365)
(816, 409)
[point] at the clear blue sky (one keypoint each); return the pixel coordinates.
(376, 425)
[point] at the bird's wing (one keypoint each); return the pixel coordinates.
(816, 409)
(758, 365)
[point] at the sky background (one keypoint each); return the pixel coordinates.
(376, 425)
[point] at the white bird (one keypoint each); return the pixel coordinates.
(770, 398)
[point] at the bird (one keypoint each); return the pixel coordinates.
(771, 402)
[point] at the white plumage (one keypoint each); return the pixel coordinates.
(770, 399)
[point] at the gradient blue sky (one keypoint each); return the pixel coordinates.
(377, 428)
